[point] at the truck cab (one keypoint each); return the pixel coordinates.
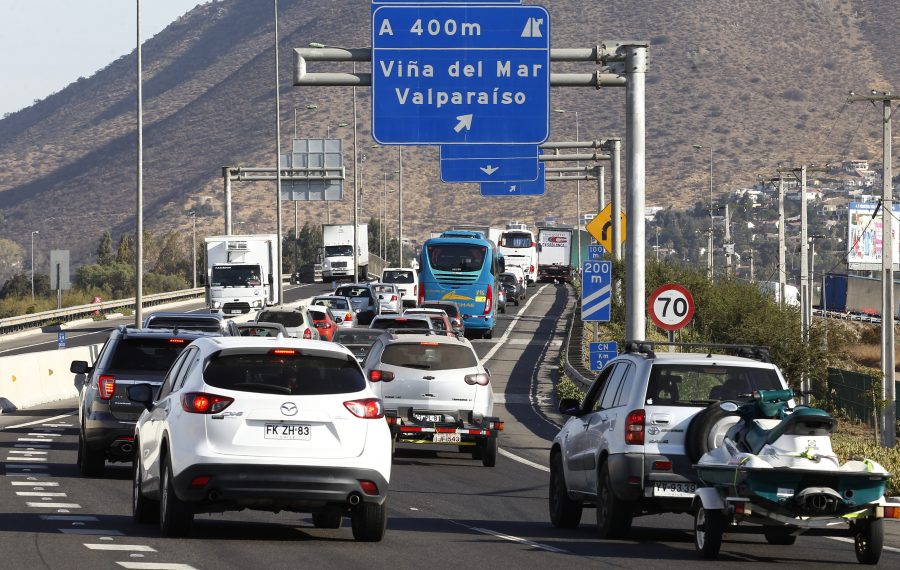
(240, 273)
(519, 249)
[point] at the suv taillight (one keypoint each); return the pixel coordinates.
(348, 317)
(531, 270)
(107, 386)
(489, 301)
(480, 379)
(307, 334)
(634, 427)
(380, 376)
(421, 295)
(368, 409)
(201, 403)
(393, 298)
(415, 290)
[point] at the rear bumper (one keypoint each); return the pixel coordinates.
(479, 322)
(632, 473)
(276, 487)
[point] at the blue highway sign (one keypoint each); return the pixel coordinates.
(61, 339)
(596, 290)
(489, 162)
(596, 251)
(460, 74)
(601, 353)
(532, 188)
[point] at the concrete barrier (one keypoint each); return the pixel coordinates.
(38, 378)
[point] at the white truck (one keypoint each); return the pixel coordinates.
(240, 273)
(555, 254)
(519, 249)
(337, 251)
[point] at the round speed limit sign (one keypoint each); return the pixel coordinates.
(671, 307)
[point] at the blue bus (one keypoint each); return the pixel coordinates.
(463, 270)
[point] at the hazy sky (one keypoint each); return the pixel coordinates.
(47, 44)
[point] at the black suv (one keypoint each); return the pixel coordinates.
(194, 321)
(106, 415)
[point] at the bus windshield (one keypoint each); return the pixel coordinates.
(456, 257)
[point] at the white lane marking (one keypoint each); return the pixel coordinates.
(44, 434)
(38, 494)
(36, 439)
(70, 338)
(132, 547)
(89, 531)
(36, 422)
(69, 518)
(511, 538)
(55, 505)
(511, 326)
(522, 460)
(35, 483)
(31, 446)
(850, 540)
(28, 451)
(16, 458)
(155, 566)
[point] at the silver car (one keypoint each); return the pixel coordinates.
(296, 321)
(341, 308)
(388, 296)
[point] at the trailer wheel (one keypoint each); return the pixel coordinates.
(869, 540)
(489, 449)
(708, 530)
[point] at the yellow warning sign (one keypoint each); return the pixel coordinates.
(601, 227)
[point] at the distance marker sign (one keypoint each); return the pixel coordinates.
(671, 307)
(460, 74)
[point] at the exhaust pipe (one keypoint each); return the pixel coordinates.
(214, 495)
(353, 499)
(126, 447)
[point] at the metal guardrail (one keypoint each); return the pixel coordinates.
(34, 320)
(581, 376)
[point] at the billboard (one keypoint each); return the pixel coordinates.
(865, 236)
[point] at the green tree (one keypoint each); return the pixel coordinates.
(125, 249)
(172, 258)
(11, 256)
(104, 250)
(115, 280)
(19, 285)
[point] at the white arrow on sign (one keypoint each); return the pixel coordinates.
(512, 188)
(465, 122)
(489, 169)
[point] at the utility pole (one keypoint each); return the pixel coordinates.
(729, 247)
(752, 275)
(782, 266)
(616, 198)
(888, 364)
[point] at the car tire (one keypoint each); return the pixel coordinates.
(779, 536)
(327, 520)
(369, 521)
(489, 448)
(175, 516)
(705, 429)
(613, 514)
(868, 540)
(516, 302)
(564, 512)
(143, 509)
(91, 462)
(708, 529)
(488, 334)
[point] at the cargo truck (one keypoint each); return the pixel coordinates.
(854, 295)
(240, 273)
(554, 254)
(337, 251)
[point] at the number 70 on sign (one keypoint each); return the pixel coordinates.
(671, 307)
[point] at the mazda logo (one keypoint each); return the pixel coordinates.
(289, 409)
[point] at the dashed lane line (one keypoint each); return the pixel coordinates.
(512, 538)
(128, 547)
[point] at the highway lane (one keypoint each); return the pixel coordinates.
(445, 509)
(87, 333)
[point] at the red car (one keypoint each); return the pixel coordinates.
(439, 319)
(323, 321)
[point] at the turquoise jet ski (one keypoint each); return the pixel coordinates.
(776, 473)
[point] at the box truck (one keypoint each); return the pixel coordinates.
(555, 254)
(240, 273)
(337, 251)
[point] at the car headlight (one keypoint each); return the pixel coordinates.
(217, 304)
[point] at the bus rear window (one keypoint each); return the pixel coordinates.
(516, 240)
(456, 257)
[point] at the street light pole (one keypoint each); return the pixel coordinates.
(710, 268)
(33, 233)
(279, 285)
(139, 206)
(194, 246)
(400, 204)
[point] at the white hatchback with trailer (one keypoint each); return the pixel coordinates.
(245, 423)
(628, 448)
(435, 391)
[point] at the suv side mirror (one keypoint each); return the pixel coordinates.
(569, 406)
(79, 367)
(141, 394)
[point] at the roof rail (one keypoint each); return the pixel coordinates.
(755, 352)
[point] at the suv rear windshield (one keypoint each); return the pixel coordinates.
(146, 354)
(353, 292)
(692, 385)
(429, 356)
(397, 277)
(356, 336)
(449, 309)
(399, 324)
(200, 324)
(284, 318)
(301, 375)
(339, 304)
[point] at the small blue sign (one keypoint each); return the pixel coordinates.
(61, 339)
(596, 291)
(489, 162)
(532, 188)
(601, 353)
(596, 252)
(460, 74)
